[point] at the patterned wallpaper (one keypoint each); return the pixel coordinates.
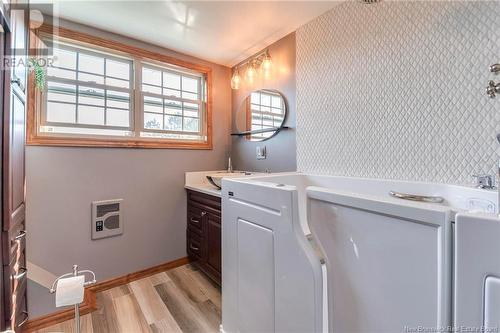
(397, 90)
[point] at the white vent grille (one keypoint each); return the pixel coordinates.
(106, 218)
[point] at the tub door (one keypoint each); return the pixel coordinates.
(388, 261)
(271, 277)
(477, 272)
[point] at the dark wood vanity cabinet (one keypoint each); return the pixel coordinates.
(204, 233)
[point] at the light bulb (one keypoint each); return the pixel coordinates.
(236, 80)
(267, 63)
(251, 72)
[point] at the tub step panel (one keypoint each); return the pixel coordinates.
(255, 264)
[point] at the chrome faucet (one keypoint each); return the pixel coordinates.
(229, 166)
(486, 182)
(493, 88)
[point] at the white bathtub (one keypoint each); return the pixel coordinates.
(388, 260)
(458, 198)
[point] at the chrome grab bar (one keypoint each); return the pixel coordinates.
(414, 197)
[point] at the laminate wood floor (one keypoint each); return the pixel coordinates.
(179, 300)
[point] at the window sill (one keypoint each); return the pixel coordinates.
(115, 143)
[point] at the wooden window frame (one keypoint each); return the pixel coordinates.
(34, 138)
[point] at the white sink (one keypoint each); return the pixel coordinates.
(216, 178)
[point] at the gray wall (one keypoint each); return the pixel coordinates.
(40, 301)
(62, 182)
(281, 148)
(397, 90)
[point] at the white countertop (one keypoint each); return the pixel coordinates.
(197, 181)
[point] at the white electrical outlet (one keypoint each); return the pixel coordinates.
(261, 152)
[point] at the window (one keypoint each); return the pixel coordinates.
(101, 93)
(267, 111)
(88, 93)
(172, 103)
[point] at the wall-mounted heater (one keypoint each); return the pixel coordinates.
(107, 219)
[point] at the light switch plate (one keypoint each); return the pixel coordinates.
(261, 152)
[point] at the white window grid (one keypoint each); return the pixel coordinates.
(182, 102)
(92, 90)
(135, 93)
(265, 117)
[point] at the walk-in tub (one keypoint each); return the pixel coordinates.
(388, 259)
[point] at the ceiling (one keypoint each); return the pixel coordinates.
(224, 32)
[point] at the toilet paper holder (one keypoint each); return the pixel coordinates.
(75, 272)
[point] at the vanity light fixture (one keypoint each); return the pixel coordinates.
(263, 60)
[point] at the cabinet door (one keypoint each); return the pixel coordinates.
(14, 213)
(213, 240)
(13, 178)
(14, 117)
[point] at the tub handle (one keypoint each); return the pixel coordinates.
(414, 197)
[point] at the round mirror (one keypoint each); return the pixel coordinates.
(261, 115)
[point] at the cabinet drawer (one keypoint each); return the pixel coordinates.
(209, 201)
(195, 219)
(194, 245)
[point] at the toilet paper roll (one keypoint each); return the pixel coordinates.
(70, 291)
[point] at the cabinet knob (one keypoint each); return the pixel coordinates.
(203, 213)
(22, 273)
(20, 235)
